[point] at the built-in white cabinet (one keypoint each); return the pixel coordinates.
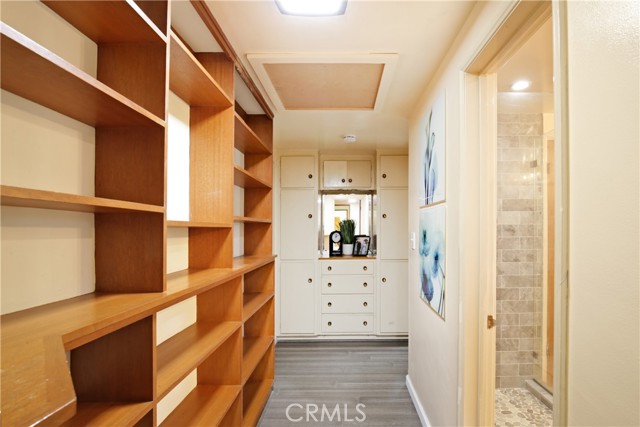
(392, 285)
(393, 237)
(393, 172)
(298, 172)
(298, 224)
(349, 174)
(297, 297)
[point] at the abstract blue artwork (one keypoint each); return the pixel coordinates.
(433, 163)
(432, 257)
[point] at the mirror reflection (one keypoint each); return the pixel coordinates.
(338, 207)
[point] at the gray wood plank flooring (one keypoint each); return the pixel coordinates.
(347, 374)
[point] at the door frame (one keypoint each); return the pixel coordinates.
(480, 111)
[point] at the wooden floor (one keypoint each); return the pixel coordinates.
(325, 374)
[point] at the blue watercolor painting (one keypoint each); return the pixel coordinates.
(432, 257)
(433, 164)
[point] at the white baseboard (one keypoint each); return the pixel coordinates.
(422, 414)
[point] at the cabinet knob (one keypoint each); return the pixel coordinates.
(329, 323)
(364, 304)
(329, 285)
(310, 280)
(310, 216)
(384, 175)
(364, 268)
(384, 215)
(343, 179)
(329, 304)
(365, 323)
(310, 176)
(384, 280)
(329, 268)
(364, 285)
(350, 180)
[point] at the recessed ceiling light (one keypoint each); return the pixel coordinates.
(520, 85)
(312, 7)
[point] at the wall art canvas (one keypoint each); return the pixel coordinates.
(432, 257)
(433, 152)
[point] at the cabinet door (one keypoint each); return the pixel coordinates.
(393, 297)
(298, 225)
(297, 298)
(359, 174)
(334, 173)
(393, 238)
(297, 172)
(393, 171)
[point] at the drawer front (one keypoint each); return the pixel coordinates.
(354, 266)
(347, 285)
(347, 303)
(347, 323)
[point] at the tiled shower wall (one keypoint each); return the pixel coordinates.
(519, 257)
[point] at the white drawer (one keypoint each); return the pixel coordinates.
(352, 266)
(347, 323)
(347, 303)
(347, 285)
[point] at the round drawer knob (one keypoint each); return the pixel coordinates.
(329, 268)
(350, 180)
(365, 323)
(309, 280)
(329, 285)
(365, 304)
(365, 284)
(310, 176)
(329, 304)
(343, 180)
(384, 215)
(384, 175)
(364, 268)
(384, 280)
(310, 216)
(329, 323)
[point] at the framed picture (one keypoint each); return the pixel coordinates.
(434, 161)
(433, 257)
(361, 245)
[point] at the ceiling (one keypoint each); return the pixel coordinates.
(416, 33)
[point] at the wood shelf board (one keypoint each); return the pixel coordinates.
(254, 302)
(95, 20)
(206, 405)
(33, 72)
(246, 219)
(246, 140)
(108, 414)
(195, 224)
(244, 179)
(254, 348)
(261, 392)
(40, 199)
(190, 81)
(183, 352)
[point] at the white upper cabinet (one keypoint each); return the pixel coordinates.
(297, 172)
(393, 172)
(352, 174)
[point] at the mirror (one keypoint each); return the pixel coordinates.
(338, 207)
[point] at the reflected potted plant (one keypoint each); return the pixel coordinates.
(348, 230)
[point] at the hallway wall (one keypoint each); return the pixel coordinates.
(604, 247)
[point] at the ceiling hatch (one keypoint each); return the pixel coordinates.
(328, 82)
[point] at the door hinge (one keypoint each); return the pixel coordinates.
(491, 322)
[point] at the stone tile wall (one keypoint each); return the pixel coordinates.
(519, 257)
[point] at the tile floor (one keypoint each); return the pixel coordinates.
(518, 407)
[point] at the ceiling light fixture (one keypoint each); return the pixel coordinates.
(312, 7)
(520, 85)
(349, 139)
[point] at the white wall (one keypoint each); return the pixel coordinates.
(435, 347)
(604, 323)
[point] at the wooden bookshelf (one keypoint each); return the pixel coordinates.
(254, 349)
(206, 405)
(245, 179)
(256, 394)
(246, 139)
(35, 73)
(254, 302)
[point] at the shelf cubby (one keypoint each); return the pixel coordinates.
(246, 140)
(257, 388)
(254, 348)
(120, 414)
(191, 224)
(243, 178)
(206, 405)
